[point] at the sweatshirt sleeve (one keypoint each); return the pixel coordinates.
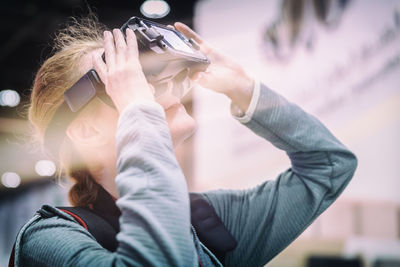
(267, 218)
(154, 201)
(155, 215)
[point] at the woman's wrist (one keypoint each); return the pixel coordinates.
(121, 101)
(242, 93)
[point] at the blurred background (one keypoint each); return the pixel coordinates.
(337, 59)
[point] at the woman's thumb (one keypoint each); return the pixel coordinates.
(203, 79)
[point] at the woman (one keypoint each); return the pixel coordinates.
(128, 153)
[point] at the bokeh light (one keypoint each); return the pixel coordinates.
(10, 179)
(9, 98)
(155, 8)
(45, 168)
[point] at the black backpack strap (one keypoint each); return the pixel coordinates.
(102, 231)
(209, 227)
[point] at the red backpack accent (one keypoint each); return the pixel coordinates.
(81, 222)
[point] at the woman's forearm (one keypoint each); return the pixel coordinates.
(154, 201)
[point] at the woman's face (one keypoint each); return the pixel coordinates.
(180, 123)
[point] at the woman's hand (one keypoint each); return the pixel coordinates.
(223, 75)
(122, 73)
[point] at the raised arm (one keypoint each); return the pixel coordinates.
(267, 218)
(155, 220)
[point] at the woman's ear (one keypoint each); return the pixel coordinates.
(85, 132)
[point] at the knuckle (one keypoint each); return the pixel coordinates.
(120, 46)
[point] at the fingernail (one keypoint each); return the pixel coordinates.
(107, 33)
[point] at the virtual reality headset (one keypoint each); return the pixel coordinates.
(168, 60)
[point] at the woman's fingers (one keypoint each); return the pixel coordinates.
(131, 43)
(188, 32)
(109, 49)
(120, 45)
(204, 79)
(118, 49)
(122, 73)
(100, 66)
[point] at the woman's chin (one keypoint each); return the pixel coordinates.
(180, 123)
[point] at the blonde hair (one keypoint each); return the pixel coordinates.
(58, 73)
